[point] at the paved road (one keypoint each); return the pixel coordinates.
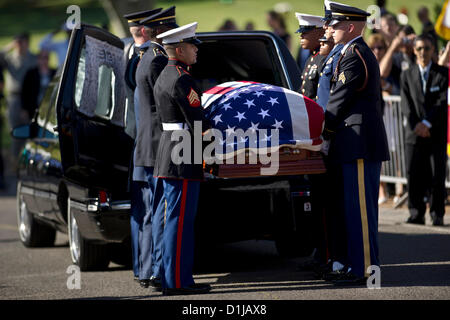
(415, 265)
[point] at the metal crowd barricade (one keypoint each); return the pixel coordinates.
(394, 171)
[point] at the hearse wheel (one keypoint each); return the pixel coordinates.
(85, 254)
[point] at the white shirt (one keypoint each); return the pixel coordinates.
(427, 70)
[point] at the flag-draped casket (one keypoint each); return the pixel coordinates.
(259, 118)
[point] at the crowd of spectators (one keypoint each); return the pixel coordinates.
(27, 76)
(393, 46)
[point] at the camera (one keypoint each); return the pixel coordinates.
(405, 40)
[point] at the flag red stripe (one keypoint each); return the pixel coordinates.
(315, 115)
(219, 90)
(180, 235)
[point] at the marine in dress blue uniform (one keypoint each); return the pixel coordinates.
(138, 185)
(148, 135)
(178, 102)
(355, 133)
(310, 28)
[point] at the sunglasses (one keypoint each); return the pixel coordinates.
(426, 48)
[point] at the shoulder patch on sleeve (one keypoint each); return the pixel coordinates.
(158, 51)
(342, 77)
(194, 100)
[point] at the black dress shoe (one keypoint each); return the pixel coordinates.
(417, 220)
(350, 279)
(145, 283)
(334, 275)
(136, 279)
(155, 284)
(197, 288)
(438, 221)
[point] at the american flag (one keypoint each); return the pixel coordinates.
(255, 106)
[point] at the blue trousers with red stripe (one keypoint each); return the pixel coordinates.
(361, 181)
(178, 236)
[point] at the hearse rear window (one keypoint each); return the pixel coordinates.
(104, 104)
(99, 92)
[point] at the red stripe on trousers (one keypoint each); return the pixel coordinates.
(180, 235)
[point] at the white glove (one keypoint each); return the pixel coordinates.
(325, 147)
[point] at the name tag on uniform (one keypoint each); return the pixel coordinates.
(434, 89)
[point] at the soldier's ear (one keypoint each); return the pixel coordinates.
(351, 27)
(179, 50)
(142, 31)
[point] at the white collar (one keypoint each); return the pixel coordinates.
(426, 69)
(349, 43)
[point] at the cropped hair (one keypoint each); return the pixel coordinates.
(424, 37)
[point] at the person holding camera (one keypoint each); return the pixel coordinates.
(399, 56)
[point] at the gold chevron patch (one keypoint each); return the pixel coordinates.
(194, 100)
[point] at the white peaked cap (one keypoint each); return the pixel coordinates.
(184, 33)
(308, 20)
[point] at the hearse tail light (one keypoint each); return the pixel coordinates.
(103, 199)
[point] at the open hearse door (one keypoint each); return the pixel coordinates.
(95, 150)
(91, 109)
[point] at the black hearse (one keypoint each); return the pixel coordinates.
(73, 172)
